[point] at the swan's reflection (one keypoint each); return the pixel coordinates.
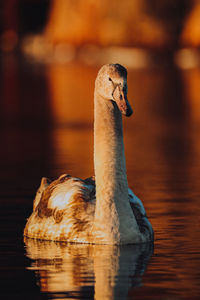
(100, 271)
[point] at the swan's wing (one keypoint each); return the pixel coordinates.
(43, 185)
(136, 202)
(65, 193)
(91, 186)
(140, 215)
(64, 210)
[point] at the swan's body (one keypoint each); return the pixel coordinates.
(101, 210)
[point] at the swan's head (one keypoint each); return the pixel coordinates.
(111, 84)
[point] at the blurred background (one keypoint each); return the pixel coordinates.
(59, 30)
(50, 53)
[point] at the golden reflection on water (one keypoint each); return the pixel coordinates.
(67, 268)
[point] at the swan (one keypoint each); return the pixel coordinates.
(100, 209)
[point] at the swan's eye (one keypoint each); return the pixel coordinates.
(109, 79)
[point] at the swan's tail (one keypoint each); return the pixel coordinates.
(43, 185)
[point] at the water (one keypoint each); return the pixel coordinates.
(46, 130)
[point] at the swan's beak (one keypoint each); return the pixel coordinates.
(122, 102)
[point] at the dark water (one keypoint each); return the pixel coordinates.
(46, 116)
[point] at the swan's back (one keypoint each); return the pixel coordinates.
(63, 210)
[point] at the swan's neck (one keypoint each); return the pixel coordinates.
(112, 202)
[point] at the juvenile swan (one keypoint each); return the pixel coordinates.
(100, 209)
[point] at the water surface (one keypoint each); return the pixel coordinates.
(46, 129)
